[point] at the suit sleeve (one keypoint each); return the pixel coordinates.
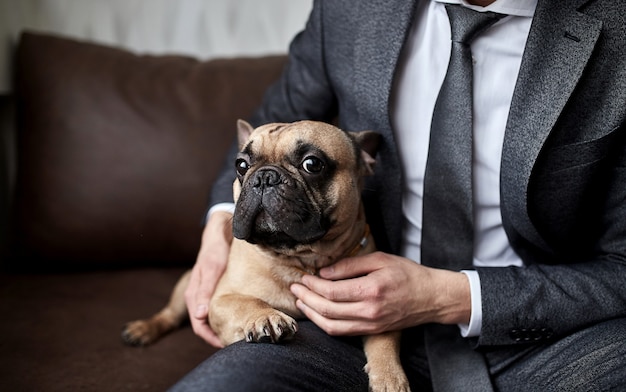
(548, 299)
(302, 92)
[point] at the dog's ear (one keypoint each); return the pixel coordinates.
(369, 141)
(244, 129)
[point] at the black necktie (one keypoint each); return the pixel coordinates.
(448, 224)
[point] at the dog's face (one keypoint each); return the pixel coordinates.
(298, 183)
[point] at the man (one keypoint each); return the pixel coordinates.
(544, 305)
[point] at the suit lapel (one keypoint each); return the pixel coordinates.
(382, 32)
(559, 45)
(383, 27)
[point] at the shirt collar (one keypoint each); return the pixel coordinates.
(525, 8)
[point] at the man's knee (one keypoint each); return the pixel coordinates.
(312, 361)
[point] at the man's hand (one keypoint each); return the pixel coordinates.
(381, 292)
(210, 265)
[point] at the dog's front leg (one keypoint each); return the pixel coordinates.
(237, 317)
(383, 363)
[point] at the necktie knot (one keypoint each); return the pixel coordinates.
(466, 24)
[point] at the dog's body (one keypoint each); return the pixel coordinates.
(297, 210)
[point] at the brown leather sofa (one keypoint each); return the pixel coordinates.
(115, 156)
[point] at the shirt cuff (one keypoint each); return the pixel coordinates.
(226, 207)
(476, 318)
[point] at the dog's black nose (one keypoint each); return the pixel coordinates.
(267, 178)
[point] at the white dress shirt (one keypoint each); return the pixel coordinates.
(497, 55)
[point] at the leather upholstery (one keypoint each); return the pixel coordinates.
(117, 152)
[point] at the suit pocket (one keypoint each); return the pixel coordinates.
(568, 192)
(585, 153)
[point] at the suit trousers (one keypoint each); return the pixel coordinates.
(593, 359)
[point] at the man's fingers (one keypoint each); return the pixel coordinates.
(202, 312)
(202, 329)
(351, 267)
(349, 290)
(335, 327)
(198, 299)
(210, 265)
(203, 291)
(328, 308)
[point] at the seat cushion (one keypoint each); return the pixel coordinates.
(61, 332)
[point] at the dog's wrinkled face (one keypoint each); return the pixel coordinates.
(298, 183)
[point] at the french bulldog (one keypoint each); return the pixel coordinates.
(297, 209)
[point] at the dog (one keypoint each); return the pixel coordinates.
(297, 209)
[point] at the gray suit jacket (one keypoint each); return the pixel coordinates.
(563, 174)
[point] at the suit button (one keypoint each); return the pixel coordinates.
(530, 335)
(517, 334)
(547, 333)
(535, 334)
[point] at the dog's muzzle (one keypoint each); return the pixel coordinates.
(274, 209)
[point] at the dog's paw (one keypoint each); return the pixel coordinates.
(270, 327)
(140, 333)
(387, 378)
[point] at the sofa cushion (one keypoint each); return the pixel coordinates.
(117, 151)
(61, 332)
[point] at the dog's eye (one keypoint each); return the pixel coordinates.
(242, 166)
(312, 165)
